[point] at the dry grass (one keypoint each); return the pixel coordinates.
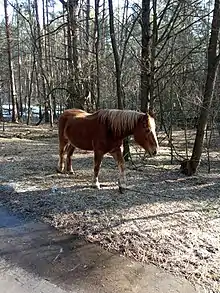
(164, 217)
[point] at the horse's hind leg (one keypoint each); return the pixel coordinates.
(117, 155)
(62, 149)
(98, 156)
(70, 151)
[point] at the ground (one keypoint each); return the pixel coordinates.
(163, 217)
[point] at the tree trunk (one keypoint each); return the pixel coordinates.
(40, 63)
(10, 66)
(190, 167)
(97, 41)
(19, 83)
(145, 56)
(116, 56)
(86, 41)
(69, 56)
(1, 110)
(47, 59)
(77, 98)
(126, 151)
(153, 57)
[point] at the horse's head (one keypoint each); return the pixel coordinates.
(145, 134)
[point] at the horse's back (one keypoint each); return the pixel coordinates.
(65, 117)
(92, 131)
(76, 128)
(73, 113)
(68, 115)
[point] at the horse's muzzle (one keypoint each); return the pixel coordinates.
(154, 153)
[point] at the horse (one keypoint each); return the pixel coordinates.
(103, 132)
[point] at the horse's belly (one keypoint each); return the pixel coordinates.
(87, 136)
(80, 136)
(83, 145)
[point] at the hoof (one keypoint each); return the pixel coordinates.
(96, 186)
(121, 189)
(70, 172)
(60, 171)
(95, 183)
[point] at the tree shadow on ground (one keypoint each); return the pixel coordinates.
(64, 260)
(158, 205)
(82, 197)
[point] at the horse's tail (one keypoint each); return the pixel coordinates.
(61, 126)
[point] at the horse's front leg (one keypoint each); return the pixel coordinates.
(117, 155)
(98, 156)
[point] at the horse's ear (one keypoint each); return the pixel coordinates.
(152, 113)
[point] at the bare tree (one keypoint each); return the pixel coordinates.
(19, 84)
(189, 167)
(116, 56)
(145, 56)
(10, 66)
(40, 62)
(97, 44)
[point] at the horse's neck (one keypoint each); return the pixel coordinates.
(127, 132)
(124, 133)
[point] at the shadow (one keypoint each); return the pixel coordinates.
(83, 198)
(74, 193)
(74, 264)
(8, 220)
(64, 260)
(157, 196)
(31, 163)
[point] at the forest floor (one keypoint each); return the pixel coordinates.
(163, 217)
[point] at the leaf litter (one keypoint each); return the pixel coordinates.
(163, 217)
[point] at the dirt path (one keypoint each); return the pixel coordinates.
(164, 218)
(37, 259)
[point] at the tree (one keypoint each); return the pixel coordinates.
(71, 52)
(189, 167)
(10, 67)
(96, 50)
(145, 56)
(116, 56)
(76, 95)
(40, 62)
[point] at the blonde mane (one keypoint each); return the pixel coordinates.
(120, 121)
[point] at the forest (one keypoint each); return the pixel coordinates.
(144, 55)
(159, 56)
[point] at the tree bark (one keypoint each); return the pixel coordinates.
(145, 56)
(190, 167)
(76, 96)
(97, 44)
(116, 56)
(19, 62)
(151, 83)
(10, 66)
(126, 152)
(40, 62)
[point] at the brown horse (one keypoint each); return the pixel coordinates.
(103, 132)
